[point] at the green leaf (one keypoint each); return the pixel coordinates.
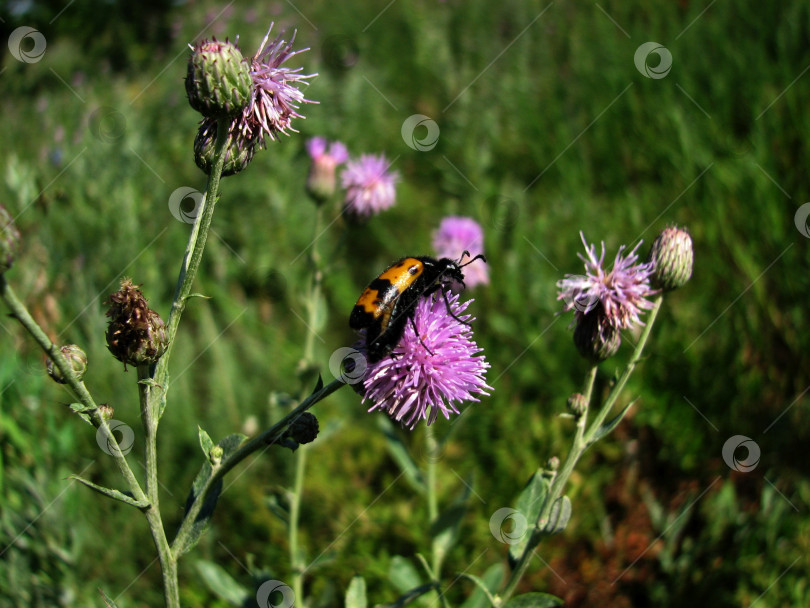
(229, 445)
(487, 585)
(205, 442)
(83, 411)
(535, 600)
(110, 493)
(445, 529)
(107, 601)
(607, 427)
(411, 595)
(356, 594)
(403, 574)
(559, 516)
(399, 452)
(528, 506)
(221, 583)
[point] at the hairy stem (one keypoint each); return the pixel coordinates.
(583, 438)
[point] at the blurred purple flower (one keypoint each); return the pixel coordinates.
(275, 99)
(325, 159)
(619, 294)
(411, 384)
(369, 185)
(456, 235)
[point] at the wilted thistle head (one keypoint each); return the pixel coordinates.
(135, 334)
(76, 358)
(9, 240)
(410, 383)
(455, 236)
(218, 81)
(595, 338)
(370, 186)
(325, 159)
(672, 257)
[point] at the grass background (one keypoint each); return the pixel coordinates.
(547, 128)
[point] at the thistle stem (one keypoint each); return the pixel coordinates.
(584, 437)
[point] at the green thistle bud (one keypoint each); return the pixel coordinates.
(553, 464)
(215, 455)
(106, 411)
(76, 359)
(239, 153)
(577, 404)
(673, 256)
(218, 81)
(304, 429)
(9, 240)
(136, 334)
(595, 338)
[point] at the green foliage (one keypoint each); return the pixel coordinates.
(547, 128)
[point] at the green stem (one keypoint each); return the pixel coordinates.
(431, 448)
(192, 257)
(268, 437)
(20, 312)
(295, 512)
(582, 440)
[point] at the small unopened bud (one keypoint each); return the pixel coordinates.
(577, 404)
(325, 159)
(76, 359)
(553, 463)
(106, 411)
(215, 455)
(304, 429)
(218, 80)
(9, 240)
(595, 338)
(673, 256)
(136, 334)
(238, 154)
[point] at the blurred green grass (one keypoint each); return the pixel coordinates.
(519, 90)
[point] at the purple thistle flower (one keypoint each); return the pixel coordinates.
(620, 293)
(274, 99)
(411, 384)
(369, 185)
(325, 159)
(456, 235)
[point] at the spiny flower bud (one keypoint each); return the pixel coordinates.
(577, 404)
(76, 359)
(239, 151)
(106, 411)
(218, 81)
(135, 334)
(9, 240)
(672, 256)
(304, 429)
(595, 338)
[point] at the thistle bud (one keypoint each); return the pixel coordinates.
(673, 256)
(76, 359)
(136, 334)
(553, 464)
(9, 240)
(325, 160)
(106, 411)
(238, 154)
(577, 404)
(304, 429)
(595, 338)
(215, 455)
(218, 81)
